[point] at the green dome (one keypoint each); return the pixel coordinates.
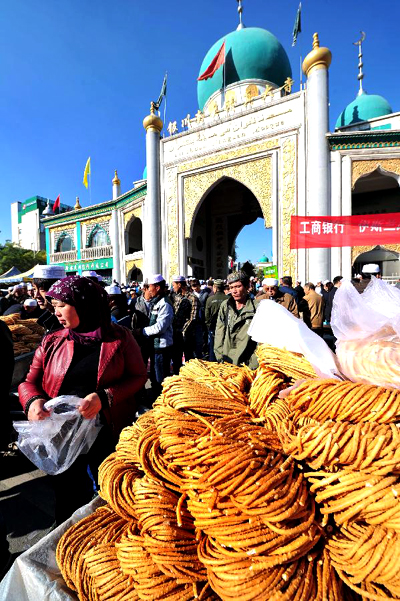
(264, 259)
(250, 53)
(363, 108)
(144, 176)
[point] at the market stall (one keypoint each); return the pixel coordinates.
(278, 483)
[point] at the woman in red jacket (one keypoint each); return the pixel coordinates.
(91, 358)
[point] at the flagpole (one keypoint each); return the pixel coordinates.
(90, 183)
(165, 111)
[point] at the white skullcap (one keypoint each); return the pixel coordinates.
(371, 268)
(89, 274)
(326, 282)
(29, 286)
(49, 272)
(111, 290)
(156, 278)
(270, 282)
(179, 278)
(30, 302)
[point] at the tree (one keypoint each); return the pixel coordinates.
(248, 268)
(12, 255)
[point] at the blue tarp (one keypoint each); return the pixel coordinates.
(19, 277)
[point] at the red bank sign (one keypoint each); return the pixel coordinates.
(354, 230)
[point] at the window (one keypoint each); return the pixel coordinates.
(99, 238)
(65, 244)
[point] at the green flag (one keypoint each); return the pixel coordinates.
(297, 26)
(162, 93)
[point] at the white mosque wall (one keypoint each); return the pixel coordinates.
(262, 128)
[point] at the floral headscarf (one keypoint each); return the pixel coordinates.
(91, 303)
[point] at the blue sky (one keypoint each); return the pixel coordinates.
(77, 77)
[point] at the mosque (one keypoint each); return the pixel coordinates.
(255, 148)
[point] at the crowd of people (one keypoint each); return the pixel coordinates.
(185, 318)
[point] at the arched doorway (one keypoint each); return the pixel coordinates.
(387, 260)
(133, 236)
(224, 211)
(376, 192)
(135, 275)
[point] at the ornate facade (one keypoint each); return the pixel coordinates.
(255, 148)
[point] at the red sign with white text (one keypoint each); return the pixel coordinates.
(352, 230)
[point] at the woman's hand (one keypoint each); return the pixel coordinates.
(36, 411)
(90, 406)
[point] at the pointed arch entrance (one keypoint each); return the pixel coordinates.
(226, 208)
(377, 190)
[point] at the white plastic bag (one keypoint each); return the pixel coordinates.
(367, 328)
(54, 443)
(275, 325)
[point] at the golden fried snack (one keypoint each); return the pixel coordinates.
(292, 365)
(151, 584)
(151, 457)
(168, 531)
(103, 577)
(265, 389)
(116, 478)
(322, 400)
(98, 527)
(128, 439)
(367, 554)
(212, 373)
(249, 577)
(185, 394)
(373, 360)
(354, 496)
(364, 446)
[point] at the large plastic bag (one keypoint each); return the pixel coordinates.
(54, 443)
(367, 328)
(275, 325)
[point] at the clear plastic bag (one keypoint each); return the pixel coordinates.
(54, 443)
(367, 328)
(275, 325)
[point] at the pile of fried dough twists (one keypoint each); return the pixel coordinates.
(226, 491)
(27, 334)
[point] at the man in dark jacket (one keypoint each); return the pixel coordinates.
(213, 304)
(186, 308)
(287, 287)
(331, 295)
(232, 342)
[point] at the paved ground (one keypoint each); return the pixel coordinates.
(26, 502)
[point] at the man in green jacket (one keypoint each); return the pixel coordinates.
(232, 343)
(213, 304)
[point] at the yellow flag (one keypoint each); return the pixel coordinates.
(86, 173)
